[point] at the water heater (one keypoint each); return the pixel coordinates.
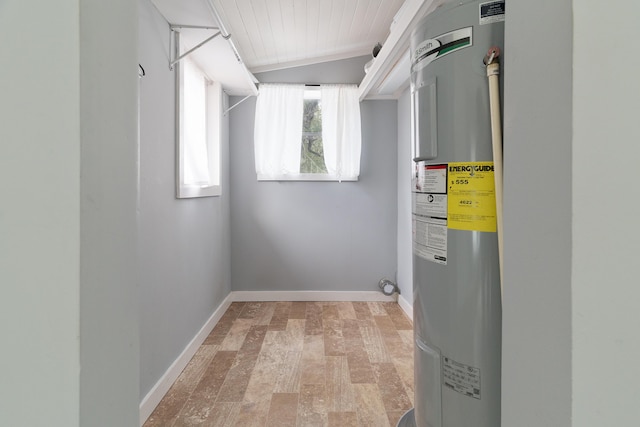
(457, 298)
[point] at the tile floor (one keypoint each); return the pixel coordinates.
(297, 364)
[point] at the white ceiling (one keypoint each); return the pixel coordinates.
(274, 34)
(268, 35)
(217, 57)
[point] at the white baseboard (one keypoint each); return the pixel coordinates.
(310, 296)
(406, 306)
(163, 385)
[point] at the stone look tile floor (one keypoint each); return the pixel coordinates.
(297, 364)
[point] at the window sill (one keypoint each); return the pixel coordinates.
(192, 191)
(306, 177)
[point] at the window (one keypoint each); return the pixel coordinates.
(312, 151)
(310, 133)
(198, 132)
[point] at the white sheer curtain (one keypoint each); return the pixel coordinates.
(194, 128)
(341, 138)
(278, 130)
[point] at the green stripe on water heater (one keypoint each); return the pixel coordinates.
(458, 44)
(444, 44)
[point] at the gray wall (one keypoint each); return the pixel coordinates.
(606, 209)
(68, 156)
(109, 341)
(183, 244)
(405, 168)
(321, 236)
(39, 213)
(344, 71)
(536, 356)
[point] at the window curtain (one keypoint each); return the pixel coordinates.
(278, 129)
(341, 137)
(194, 128)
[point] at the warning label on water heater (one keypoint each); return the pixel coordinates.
(462, 378)
(430, 238)
(471, 198)
(429, 201)
(491, 12)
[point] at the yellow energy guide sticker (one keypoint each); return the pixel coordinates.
(472, 200)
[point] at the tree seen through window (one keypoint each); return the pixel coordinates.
(312, 154)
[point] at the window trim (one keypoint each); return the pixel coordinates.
(213, 116)
(306, 177)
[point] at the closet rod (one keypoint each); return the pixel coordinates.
(197, 27)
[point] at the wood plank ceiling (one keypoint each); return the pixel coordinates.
(276, 34)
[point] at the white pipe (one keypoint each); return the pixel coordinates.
(493, 73)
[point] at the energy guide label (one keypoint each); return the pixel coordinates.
(471, 200)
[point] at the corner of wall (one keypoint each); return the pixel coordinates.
(162, 386)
